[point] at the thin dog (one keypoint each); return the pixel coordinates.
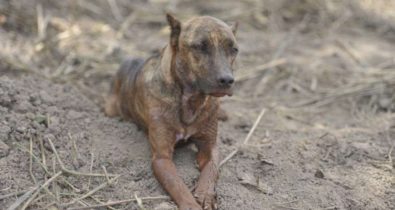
(174, 95)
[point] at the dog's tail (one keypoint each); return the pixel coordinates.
(127, 73)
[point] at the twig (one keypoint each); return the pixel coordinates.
(330, 207)
(31, 161)
(101, 202)
(75, 152)
(71, 185)
(391, 148)
(48, 119)
(5, 189)
(43, 152)
(105, 172)
(139, 202)
(112, 203)
(287, 207)
(349, 52)
(91, 192)
(12, 194)
(125, 24)
(67, 171)
(46, 207)
(55, 186)
(115, 10)
(42, 22)
(31, 169)
(90, 169)
(34, 157)
(40, 197)
(390, 154)
(44, 167)
(280, 50)
(40, 188)
(246, 139)
(22, 199)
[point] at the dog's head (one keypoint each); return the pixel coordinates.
(205, 51)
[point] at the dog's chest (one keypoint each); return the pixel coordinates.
(185, 134)
(195, 111)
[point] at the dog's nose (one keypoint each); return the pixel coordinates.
(226, 80)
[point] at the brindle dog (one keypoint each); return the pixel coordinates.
(174, 95)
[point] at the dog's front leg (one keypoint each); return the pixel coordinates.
(207, 159)
(162, 142)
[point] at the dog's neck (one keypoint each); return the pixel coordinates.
(192, 101)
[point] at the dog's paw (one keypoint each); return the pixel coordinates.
(208, 200)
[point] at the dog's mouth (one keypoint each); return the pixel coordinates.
(221, 92)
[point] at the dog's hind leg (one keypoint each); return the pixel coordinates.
(128, 69)
(111, 106)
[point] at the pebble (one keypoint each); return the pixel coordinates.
(21, 129)
(4, 149)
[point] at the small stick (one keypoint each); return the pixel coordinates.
(115, 10)
(31, 161)
(139, 202)
(40, 22)
(90, 169)
(101, 202)
(67, 171)
(5, 189)
(330, 207)
(22, 199)
(48, 120)
(287, 207)
(38, 198)
(112, 203)
(46, 207)
(280, 50)
(105, 172)
(34, 157)
(246, 139)
(45, 168)
(287, 202)
(42, 152)
(54, 165)
(391, 148)
(75, 152)
(39, 189)
(126, 23)
(71, 185)
(349, 52)
(55, 186)
(390, 154)
(12, 194)
(91, 192)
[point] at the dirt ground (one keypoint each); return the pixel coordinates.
(323, 70)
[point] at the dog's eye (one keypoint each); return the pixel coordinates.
(202, 46)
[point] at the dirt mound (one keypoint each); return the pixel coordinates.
(281, 167)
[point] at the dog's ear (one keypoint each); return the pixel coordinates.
(175, 28)
(234, 27)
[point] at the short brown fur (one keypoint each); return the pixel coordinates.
(174, 95)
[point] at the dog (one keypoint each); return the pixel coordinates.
(174, 95)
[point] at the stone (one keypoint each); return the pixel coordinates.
(4, 149)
